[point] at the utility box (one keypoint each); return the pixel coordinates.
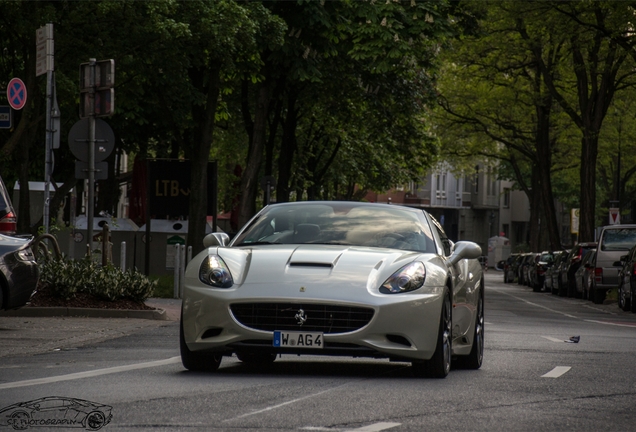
(121, 230)
(164, 235)
(498, 249)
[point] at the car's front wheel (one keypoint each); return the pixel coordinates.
(623, 301)
(632, 292)
(194, 361)
(439, 365)
(475, 359)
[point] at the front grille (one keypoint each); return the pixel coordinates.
(328, 319)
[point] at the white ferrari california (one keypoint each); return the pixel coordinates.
(339, 279)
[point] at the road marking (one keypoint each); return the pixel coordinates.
(375, 427)
(632, 325)
(556, 372)
(89, 374)
(552, 339)
(273, 407)
(535, 304)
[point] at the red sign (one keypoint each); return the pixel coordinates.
(17, 94)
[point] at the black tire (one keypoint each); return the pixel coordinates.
(632, 293)
(95, 420)
(439, 365)
(475, 359)
(194, 361)
(256, 358)
(623, 301)
(598, 296)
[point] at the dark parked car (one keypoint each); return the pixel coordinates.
(19, 272)
(567, 284)
(8, 220)
(542, 262)
(627, 281)
(522, 269)
(549, 278)
(510, 268)
(584, 276)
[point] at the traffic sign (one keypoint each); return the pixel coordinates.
(5, 117)
(614, 216)
(16, 93)
(104, 140)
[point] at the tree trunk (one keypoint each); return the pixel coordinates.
(287, 149)
(589, 153)
(204, 115)
(249, 182)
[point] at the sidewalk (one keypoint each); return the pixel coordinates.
(31, 330)
(165, 309)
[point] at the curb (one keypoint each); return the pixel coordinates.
(156, 314)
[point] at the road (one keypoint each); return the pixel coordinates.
(533, 378)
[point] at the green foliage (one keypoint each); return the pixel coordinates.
(68, 277)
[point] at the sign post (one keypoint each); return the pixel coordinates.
(97, 99)
(44, 64)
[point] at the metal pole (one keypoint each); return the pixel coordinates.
(91, 153)
(177, 271)
(48, 149)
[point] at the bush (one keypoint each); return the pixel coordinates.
(68, 277)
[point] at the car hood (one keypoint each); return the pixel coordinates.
(304, 264)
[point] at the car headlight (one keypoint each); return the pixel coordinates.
(25, 255)
(214, 272)
(408, 278)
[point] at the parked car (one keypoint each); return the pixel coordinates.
(522, 270)
(614, 242)
(567, 284)
(584, 274)
(530, 268)
(543, 261)
(548, 280)
(8, 219)
(627, 281)
(19, 272)
(339, 278)
(510, 267)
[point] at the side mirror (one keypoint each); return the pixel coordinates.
(216, 239)
(465, 250)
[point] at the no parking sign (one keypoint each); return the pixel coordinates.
(17, 94)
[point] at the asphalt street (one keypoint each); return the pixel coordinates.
(534, 377)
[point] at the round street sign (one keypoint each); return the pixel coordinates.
(16, 93)
(78, 140)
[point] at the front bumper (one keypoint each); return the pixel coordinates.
(403, 326)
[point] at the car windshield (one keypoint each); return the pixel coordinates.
(622, 239)
(346, 223)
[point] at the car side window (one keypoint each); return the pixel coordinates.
(446, 243)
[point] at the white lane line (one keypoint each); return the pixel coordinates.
(552, 339)
(556, 372)
(89, 374)
(273, 407)
(611, 323)
(535, 304)
(375, 427)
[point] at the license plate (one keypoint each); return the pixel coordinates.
(297, 339)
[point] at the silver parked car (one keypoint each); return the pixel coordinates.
(614, 242)
(339, 279)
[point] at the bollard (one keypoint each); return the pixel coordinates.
(177, 272)
(122, 257)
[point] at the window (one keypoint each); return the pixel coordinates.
(506, 197)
